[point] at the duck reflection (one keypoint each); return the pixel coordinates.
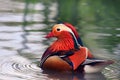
(73, 76)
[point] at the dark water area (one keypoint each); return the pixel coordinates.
(24, 23)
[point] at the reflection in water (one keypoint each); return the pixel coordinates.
(24, 28)
(22, 42)
(73, 76)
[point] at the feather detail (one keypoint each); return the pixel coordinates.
(62, 45)
(72, 28)
(78, 57)
(75, 32)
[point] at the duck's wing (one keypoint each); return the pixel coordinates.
(60, 54)
(91, 61)
(94, 61)
(46, 54)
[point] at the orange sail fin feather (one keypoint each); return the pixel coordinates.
(67, 52)
(78, 57)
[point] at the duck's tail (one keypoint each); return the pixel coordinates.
(95, 65)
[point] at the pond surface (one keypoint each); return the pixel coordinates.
(23, 26)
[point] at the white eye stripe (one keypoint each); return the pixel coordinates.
(65, 28)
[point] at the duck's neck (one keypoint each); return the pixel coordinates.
(63, 44)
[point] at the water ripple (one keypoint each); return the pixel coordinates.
(25, 67)
(14, 67)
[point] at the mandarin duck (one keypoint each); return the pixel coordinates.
(67, 53)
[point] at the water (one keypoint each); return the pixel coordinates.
(23, 26)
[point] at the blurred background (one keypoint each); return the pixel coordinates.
(24, 23)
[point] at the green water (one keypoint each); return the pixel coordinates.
(24, 23)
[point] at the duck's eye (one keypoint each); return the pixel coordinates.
(58, 29)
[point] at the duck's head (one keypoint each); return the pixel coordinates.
(60, 31)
